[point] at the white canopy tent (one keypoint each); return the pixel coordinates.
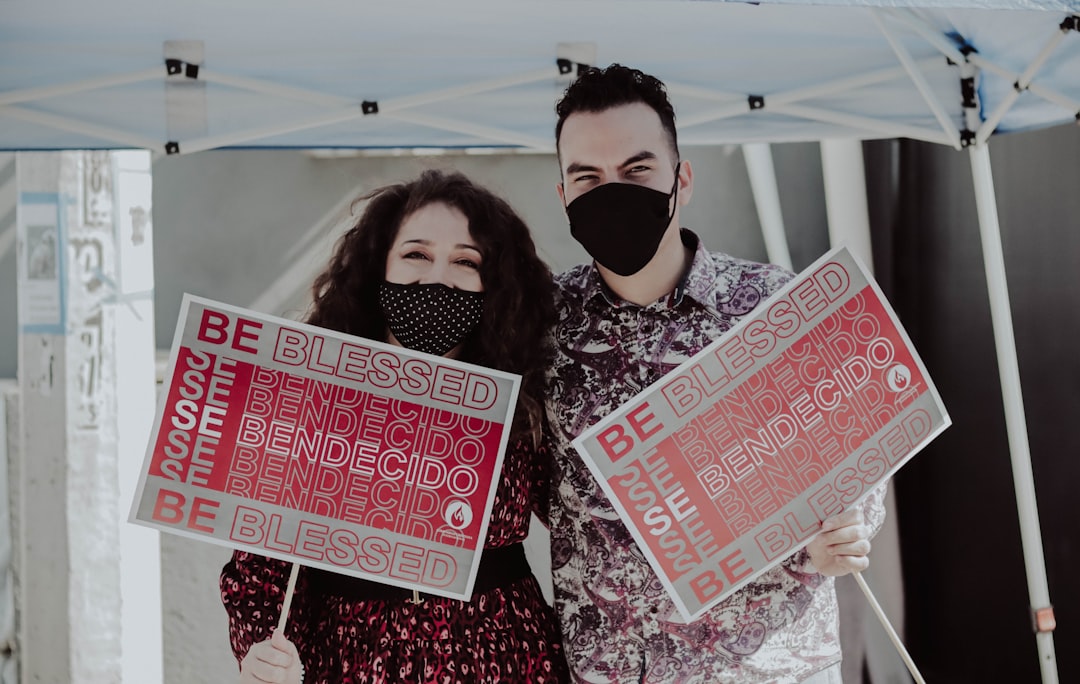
(183, 77)
(180, 77)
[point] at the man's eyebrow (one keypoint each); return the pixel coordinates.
(643, 155)
(578, 168)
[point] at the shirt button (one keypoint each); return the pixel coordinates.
(654, 610)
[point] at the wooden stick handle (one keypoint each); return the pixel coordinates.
(889, 628)
(288, 598)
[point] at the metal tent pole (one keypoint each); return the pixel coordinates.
(1060, 99)
(810, 92)
(990, 125)
(759, 166)
(392, 108)
(886, 129)
(921, 84)
(44, 92)
(1015, 423)
(65, 123)
(844, 175)
(787, 102)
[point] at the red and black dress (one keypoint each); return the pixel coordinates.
(350, 631)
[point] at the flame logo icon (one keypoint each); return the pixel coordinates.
(458, 514)
(898, 377)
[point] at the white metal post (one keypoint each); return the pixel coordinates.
(759, 165)
(1015, 422)
(844, 174)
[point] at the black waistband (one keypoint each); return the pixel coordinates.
(499, 567)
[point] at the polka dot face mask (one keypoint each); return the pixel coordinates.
(431, 318)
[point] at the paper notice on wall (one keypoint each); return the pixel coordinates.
(333, 451)
(728, 464)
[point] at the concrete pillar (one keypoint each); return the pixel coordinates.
(9, 412)
(90, 604)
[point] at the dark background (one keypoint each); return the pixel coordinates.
(966, 595)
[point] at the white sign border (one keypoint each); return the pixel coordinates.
(167, 381)
(591, 432)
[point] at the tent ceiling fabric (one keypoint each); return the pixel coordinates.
(467, 73)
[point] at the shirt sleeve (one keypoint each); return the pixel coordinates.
(253, 591)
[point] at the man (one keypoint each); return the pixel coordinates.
(652, 298)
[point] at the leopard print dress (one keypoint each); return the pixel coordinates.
(506, 634)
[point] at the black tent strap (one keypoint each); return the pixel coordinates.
(967, 137)
(967, 91)
(756, 101)
(176, 66)
(172, 147)
(369, 107)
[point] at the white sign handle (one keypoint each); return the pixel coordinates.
(288, 598)
(888, 628)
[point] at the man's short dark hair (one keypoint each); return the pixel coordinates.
(597, 90)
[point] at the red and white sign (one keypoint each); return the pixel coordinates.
(729, 463)
(326, 449)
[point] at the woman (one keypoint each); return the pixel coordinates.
(440, 265)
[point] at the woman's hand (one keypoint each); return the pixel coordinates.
(274, 661)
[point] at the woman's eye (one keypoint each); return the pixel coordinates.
(468, 263)
(415, 255)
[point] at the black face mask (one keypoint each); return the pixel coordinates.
(431, 318)
(620, 225)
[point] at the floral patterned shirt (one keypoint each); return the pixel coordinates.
(618, 623)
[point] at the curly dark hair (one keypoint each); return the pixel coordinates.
(519, 304)
(597, 90)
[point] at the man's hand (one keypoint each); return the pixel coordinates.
(274, 661)
(842, 545)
